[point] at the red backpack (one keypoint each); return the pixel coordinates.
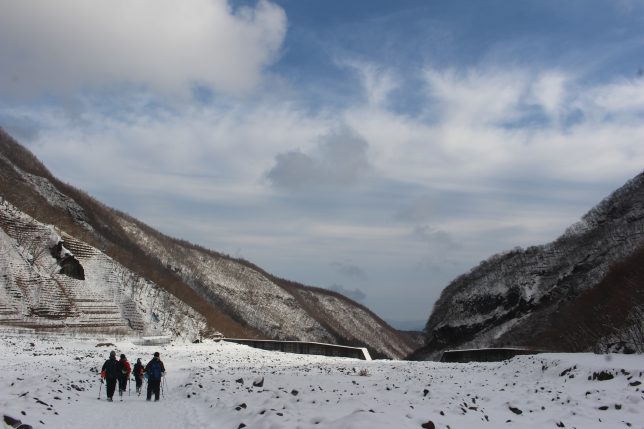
(125, 367)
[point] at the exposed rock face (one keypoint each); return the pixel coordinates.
(69, 265)
(510, 298)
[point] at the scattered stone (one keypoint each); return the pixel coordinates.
(15, 423)
(429, 425)
(603, 407)
(241, 425)
(515, 410)
(560, 425)
(603, 376)
(258, 382)
(425, 392)
(240, 381)
(294, 392)
(635, 383)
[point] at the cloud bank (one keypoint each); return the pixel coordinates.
(68, 45)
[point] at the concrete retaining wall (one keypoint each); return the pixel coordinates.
(485, 355)
(306, 348)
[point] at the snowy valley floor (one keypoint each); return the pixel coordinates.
(52, 382)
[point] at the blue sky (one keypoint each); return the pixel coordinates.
(380, 148)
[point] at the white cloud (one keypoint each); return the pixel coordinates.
(377, 82)
(476, 96)
(549, 91)
(65, 45)
(624, 97)
(339, 159)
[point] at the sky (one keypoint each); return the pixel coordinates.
(373, 147)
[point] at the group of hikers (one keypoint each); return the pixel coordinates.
(118, 371)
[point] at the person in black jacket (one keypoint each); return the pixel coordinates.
(138, 375)
(155, 371)
(110, 373)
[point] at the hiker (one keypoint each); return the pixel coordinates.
(110, 373)
(138, 375)
(155, 371)
(124, 374)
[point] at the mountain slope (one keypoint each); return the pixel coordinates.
(517, 297)
(230, 295)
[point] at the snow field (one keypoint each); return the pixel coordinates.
(53, 382)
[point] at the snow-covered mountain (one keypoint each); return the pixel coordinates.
(583, 291)
(70, 262)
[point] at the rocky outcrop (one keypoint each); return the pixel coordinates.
(511, 297)
(69, 265)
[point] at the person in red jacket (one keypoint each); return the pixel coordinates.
(124, 374)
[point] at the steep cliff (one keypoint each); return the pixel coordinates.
(513, 298)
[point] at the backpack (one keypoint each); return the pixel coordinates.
(154, 370)
(125, 367)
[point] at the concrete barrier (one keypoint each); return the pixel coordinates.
(152, 341)
(485, 355)
(306, 348)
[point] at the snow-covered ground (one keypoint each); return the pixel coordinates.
(53, 382)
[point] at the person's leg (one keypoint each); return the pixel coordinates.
(150, 388)
(157, 388)
(111, 386)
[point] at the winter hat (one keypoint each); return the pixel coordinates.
(112, 353)
(122, 356)
(156, 354)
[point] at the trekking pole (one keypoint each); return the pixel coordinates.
(100, 388)
(129, 386)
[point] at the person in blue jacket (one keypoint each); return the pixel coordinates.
(155, 370)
